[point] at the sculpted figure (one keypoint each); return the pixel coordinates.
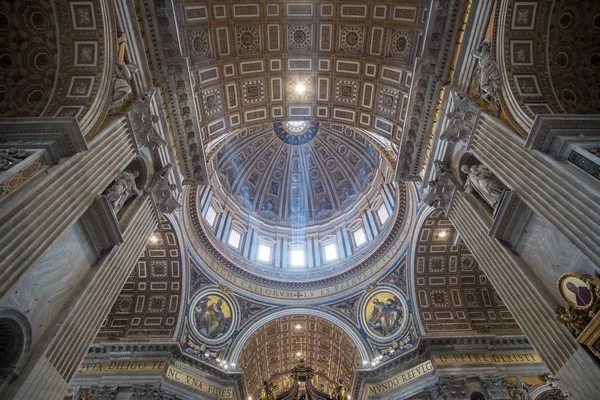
(461, 121)
(10, 157)
(519, 390)
(124, 73)
(267, 392)
(480, 178)
(143, 121)
(574, 320)
(122, 189)
(488, 74)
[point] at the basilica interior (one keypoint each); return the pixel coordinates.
(300, 200)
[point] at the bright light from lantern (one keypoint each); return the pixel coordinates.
(298, 354)
(300, 88)
(298, 326)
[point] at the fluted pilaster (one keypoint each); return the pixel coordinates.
(550, 189)
(527, 301)
(52, 372)
(30, 223)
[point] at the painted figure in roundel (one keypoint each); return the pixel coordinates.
(575, 291)
(384, 313)
(212, 316)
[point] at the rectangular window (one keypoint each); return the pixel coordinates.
(234, 238)
(211, 216)
(383, 214)
(359, 237)
(297, 257)
(330, 252)
(264, 252)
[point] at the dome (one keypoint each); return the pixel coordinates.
(298, 205)
(298, 174)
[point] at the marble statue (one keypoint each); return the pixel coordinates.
(143, 121)
(488, 75)
(481, 179)
(519, 390)
(124, 73)
(162, 191)
(122, 189)
(460, 120)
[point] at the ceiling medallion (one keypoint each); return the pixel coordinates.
(297, 132)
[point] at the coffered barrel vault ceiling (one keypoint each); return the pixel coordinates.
(270, 353)
(354, 60)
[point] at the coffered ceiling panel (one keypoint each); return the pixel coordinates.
(273, 61)
(270, 353)
(148, 306)
(453, 294)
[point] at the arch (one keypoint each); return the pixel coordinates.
(521, 51)
(237, 345)
(15, 324)
(158, 278)
(67, 53)
(452, 295)
(547, 59)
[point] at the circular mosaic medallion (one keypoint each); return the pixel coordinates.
(211, 316)
(384, 313)
(575, 291)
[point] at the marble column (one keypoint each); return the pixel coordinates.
(569, 202)
(30, 221)
(50, 370)
(531, 307)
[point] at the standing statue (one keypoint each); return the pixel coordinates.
(487, 75)
(267, 392)
(480, 178)
(124, 74)
(519, 390)
(122, 189)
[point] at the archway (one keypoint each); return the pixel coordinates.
(271, 351)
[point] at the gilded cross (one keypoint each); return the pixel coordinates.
(300, 342)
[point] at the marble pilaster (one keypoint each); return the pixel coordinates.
(30, 223)
(568, 202)
(530, 305)
(48, 375)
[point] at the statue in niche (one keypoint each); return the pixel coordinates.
(519, 390)
(124, 73)
(122, 189)
(487, 75)
(481, 179)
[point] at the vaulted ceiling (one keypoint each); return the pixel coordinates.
(353, 60)
(270, 352)
(148, 306)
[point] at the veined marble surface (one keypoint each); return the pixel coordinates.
(549, 254)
